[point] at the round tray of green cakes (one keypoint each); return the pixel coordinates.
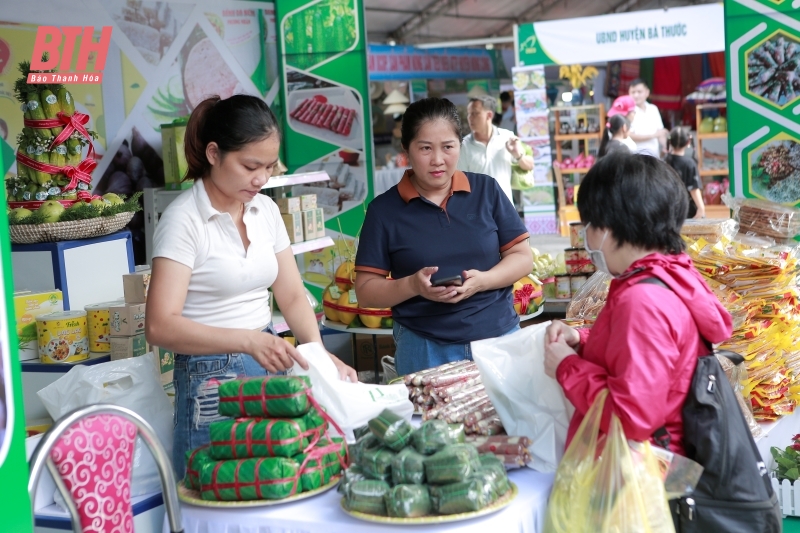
(429, 475)
(194, 497)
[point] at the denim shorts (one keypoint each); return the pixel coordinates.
(196, 380)
(414, 353)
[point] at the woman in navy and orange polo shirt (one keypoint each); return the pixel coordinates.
(437, 223)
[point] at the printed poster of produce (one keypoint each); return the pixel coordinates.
(763, 100)
(164, 58)
(532, 112)
(15, 505)
(327, 120)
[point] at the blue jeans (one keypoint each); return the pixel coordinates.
(414, 353)
(196, 380)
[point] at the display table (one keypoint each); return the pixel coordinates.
(322, 514)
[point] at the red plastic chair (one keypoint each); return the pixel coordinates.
(89, 453)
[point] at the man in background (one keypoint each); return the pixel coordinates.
(647, 128)
(488, 149)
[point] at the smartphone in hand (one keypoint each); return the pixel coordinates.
(447, 282)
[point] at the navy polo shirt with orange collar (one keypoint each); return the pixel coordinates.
(404, 232)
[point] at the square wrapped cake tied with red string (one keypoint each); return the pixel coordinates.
(276, 446)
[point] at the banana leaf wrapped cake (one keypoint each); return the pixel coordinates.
(393, 430)
(195, 459)
(376, 463)
(462, 497)
(262, 437)
(267, 397)
(264, 478)
(408, 501)
(408, 467)
(451, 464)
(367, 497)
(318, 471)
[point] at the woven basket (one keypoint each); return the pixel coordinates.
(68, 231)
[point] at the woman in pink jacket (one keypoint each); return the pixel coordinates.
(646, 341)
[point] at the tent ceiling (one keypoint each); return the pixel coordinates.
(423, 21)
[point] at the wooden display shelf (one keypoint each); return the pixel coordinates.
(719, 135)
(578, 136)
(701, 137)
(714, 172)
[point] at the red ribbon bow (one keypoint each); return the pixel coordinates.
(523, 296)
(72, 123)
(83, 172)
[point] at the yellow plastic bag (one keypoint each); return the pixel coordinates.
(600, 487)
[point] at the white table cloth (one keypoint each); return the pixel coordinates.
(322, 514)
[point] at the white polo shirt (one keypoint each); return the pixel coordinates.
(228, 287)
(492, 159)
(647, 121)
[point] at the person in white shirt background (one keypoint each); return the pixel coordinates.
(217, 249)
(488, 149)
(647, 128)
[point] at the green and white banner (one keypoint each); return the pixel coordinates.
(327, 119)
(655, 33)
(15, 507)
(763, 47)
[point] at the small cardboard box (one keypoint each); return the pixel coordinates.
(365, 350)
(166, 361)
(308, 202)
(127, 347)
(126, 320)
(27, 306)
(310, 224)
(135, 286)
(294, 226)
(320, 223)
(288, 205)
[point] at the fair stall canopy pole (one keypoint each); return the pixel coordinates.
(641, 34)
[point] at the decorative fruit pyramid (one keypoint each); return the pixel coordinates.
(53, 178)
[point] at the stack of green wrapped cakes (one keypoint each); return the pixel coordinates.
(401, 472)
(274, 445)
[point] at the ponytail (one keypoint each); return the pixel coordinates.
(193, 145)
(613, 126)
(678, 138)
(232, 124)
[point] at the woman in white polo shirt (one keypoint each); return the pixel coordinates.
(217, 249)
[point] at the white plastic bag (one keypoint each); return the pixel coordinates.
(529, 403)
(132, 383)
(351, 405)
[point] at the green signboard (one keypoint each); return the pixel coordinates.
(763, 53)
(327, 119)
(15, 507)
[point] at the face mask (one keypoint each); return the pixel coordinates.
(596, 256)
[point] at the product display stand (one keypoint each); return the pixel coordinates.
(374, 332)
(157, 200)
(86, 271)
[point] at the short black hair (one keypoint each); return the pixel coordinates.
(639, 81)
(637, 197)
(505, 96)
